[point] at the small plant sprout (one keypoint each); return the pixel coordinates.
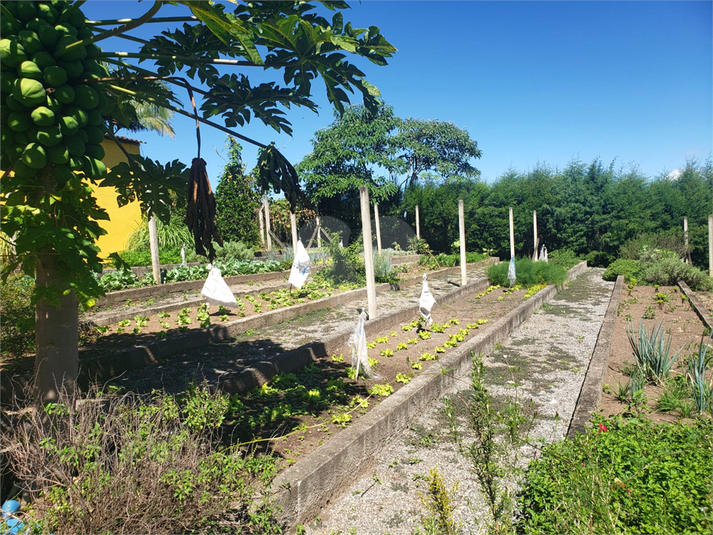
(412, 341)
(164, 315)
(427, 356)
(381, 390)
(165, 325)
(223, 317)
(141, 321)
(342, 419)
(440, 349)
(382, 339)
(124, 323)
(373, 362)
(101, 329)
(392, 334)
(371, 345)
(338, 358)
(416, 365)
(223, 310)
(401, 378)
(387, 352)
(424, 335)
(401, 346)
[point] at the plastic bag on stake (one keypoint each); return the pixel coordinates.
(426, 302)
(511, 271)
(300, 266)
(357, 343)
(216, 290)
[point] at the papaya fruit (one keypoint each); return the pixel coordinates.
(42, 116)
(12, 103)
(68, 125)
(74, 145)
(48, 35)
(64, 53)
(26, 11)
(95, 134)
(94, 151)
(47, 12)
(43, 59)
(29, 92)
(62, 174)
(12, 53)
(59, 5)
(65, 94)
(94, 168)
(55, 76)
(19, 121)
(73, 16)
(34, 156)
(29, 69)
(29, 41)
(86, 97)
(58, 154)
(22, 170)
(74, 68)
(76, 163)
(94, 118)
(6, 81)
(78, 113)
(22, 139)
(49, 136)
(82, 134)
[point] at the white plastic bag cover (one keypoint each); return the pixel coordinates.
(300, 266)
(357, 342)
(543, 254)
(511, 271)
(216, 290)
(426, 302)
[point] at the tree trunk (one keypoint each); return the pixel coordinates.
(56, 337)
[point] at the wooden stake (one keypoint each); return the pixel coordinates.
(319, 232)
(368, 252)
(536, 241)
(266, 205)
(261, 221)
(710, 245)
(512, 235)
(418, 224)
(293, 224)
(685, 240)
(461, 234)
(378, 228)
(153, 244)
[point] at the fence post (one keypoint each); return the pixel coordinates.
(418, 224)
(293, 224)
(267, 223)
(710, 245)
(461, 234)
(512, 235)
(378, 227)
(368, 251)
(153, 244)
(536, 244)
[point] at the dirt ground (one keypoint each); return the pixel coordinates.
(666, 304)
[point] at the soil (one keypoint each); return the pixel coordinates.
(640, 304)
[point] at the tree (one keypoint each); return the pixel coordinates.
(59, 99)
(436, 146)
(353, 151)
(236, 200)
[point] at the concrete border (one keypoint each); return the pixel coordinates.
(111, 364)
(697, 305)
(591, 393)
(308, 485)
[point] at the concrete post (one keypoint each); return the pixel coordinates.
(293, 224)
(378, 228)
(535, 242)
(512, 235)
(261, 221)
(710, 245)
(266, 205)
(418, 224)
(153, 244)
(319, 232)
(368, 252)
(685, 239)
(461, 237)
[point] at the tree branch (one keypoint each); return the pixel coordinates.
(183, 59)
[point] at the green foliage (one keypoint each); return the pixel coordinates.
(623, 476)
(347, 264)
(565, 258)
(528, 273)
(237, 200)
(701, 388)
(630, 269)
(665, 268)
(17, 329)
(670, 240)
(652, 351)
(439, 503)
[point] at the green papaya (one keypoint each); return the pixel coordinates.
(49, 136)
(62, 174)
(19, 121)
(26, 11)
(55, 76)
(94, 118)
(65, 29)
(86, 97)
(82, 134)
(73, 16)
(69, 54)
(34, 156)
(21, 138)
(65, 94)
(59, 5)
(29, 41)
(12, 53)
(29, 69)
(95, 134)
(94, 151)
(58, 154)
(12, 103)
(74, 145)
(47, 12)
(78, 113)
(48, 35)
(43, 59)
(34, 24)
(22, 170)
(53, 104)
(6, 81)
(94, 168)
(68, 125)
(74, 68)
(29, 92)
(93, 50)
(42, 116)
(76, 163)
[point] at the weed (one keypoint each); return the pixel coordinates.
(439, 503)
(387, 352)
(381, 390)
(652, 351)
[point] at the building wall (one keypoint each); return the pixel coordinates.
(122, 221)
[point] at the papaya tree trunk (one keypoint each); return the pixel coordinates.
(56, 336)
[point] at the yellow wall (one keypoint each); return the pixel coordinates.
(122, 221)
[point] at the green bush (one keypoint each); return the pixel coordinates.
(623, 476)
(671, 240)
(565, 258)
(528, 273)
(598, 258)
(665, 268)
(17, 329)
(630, 269)
(137, 465)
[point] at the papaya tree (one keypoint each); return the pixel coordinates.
(60, 90)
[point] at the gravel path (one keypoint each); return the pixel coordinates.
(544, 361)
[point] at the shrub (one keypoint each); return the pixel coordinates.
(623, 476)
(598, 258)
(125, 464)
(234, 250)
(565, 258)
(665, 268)
(17, 329)
(671, 240)
(528, 273)
(630, 269)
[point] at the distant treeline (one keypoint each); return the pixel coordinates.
(591, 209)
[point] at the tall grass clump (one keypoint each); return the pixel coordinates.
(528, 273)
(652, 351)
(701, 387)
(622, 476)
(129, 464)
(565, 258)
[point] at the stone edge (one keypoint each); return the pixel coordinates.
(697, 305)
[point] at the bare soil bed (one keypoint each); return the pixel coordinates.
(669, 306)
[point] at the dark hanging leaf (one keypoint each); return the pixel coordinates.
(200, 213)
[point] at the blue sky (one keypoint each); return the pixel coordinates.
(531, 82)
